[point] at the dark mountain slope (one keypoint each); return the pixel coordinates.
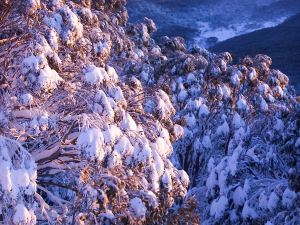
(281, 43)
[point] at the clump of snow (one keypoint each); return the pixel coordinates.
(44, 48)
(222, 178)
(123, 146)
(95, 75)
(242, 104)
(112, 134)
(156, 50)
(215, 70)
(218, 207)
(239, 196)
(278, 92)
(164, 105)
(33, 64)
(273, 201)
(66, 23)
(117, 94)
(235, 77)
(162, 147)
(56, 22)
(13, 179)
(184, 177)
(167, 180)
(270, 98)
(182, 96)
(151, 198)
(27, 99)
(252, 74)
(5, 178)
(22, 215)
(269, 223)
(103, 105)
(226, 92)
(210, 164)
(49, 79)
(193, 104)
(74, 27)
(91, 143)
(248, 212)
(206, 141)
(263, 88)
(142, 152)
(53, 39)
(20, 179)
(112, 74)
(43, 122)
(158, 163)
(237, 121)
(288, 198)
(263, 104)
(138, 208)
(233, 160)
(263, 200)
(190, 120)
(128, 124)
(114, 159)
(102, 47)
(203, 110)
(279, 125)
(191, 78)
(219, 92)
(223, 129)
(211, 181)
(178, 131)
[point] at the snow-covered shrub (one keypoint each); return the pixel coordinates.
(83, 141)
(240, 135)
(240, 131)
(92, 106)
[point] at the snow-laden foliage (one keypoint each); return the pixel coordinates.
(81, 141)
(17, 182)
(96, 116)
(241, 129)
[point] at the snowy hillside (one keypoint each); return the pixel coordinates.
(100, 124)
(208, 21)
(280, 42)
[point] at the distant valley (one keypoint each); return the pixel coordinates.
(281, 43)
